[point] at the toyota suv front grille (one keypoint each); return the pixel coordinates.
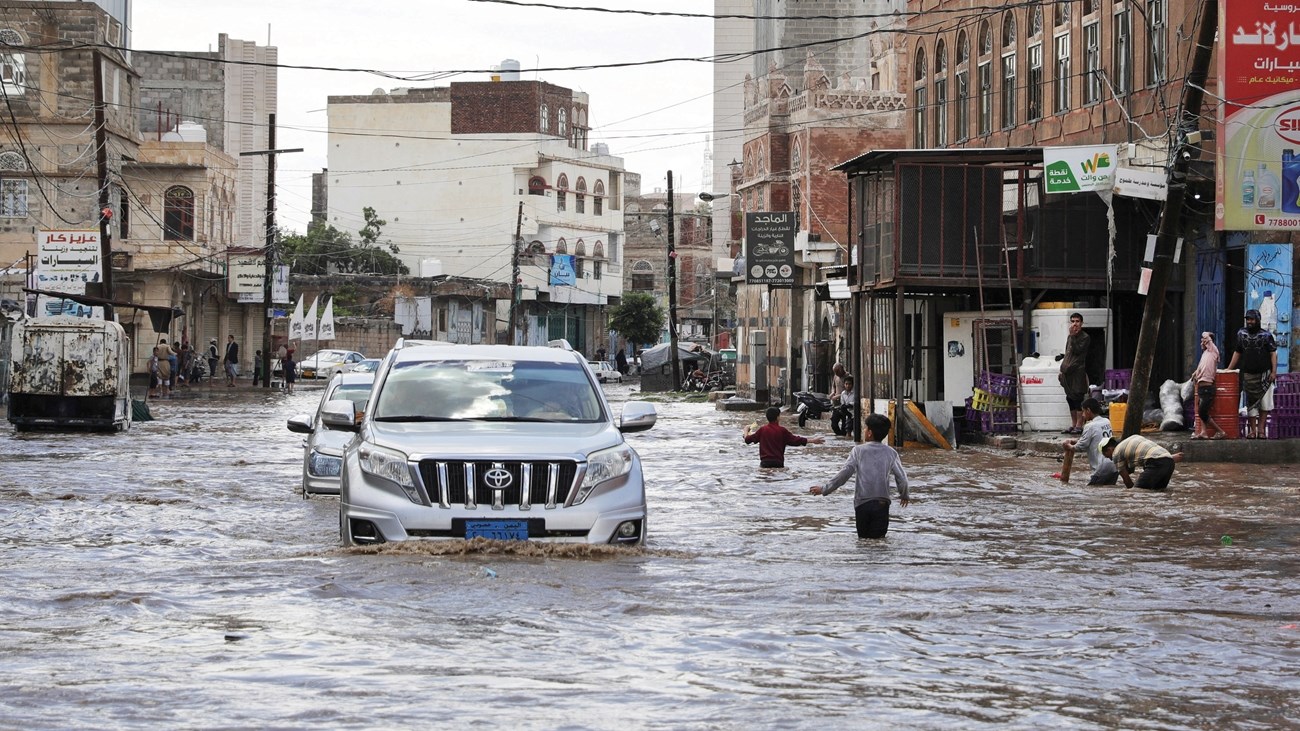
(495, 484)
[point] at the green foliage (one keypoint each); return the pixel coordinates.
(638, 318)
(324, 250)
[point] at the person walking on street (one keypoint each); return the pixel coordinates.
(1074, 372)
(290, 368)
(1204, 376)
(213, 359)
(772, 439)
(231, 360)
(838, 374)
(185, 375)
(257, 368)
(1157, 463)
(1256, 353)
(1096, 432)
(620, 361)
(165, 356)
(871, 463)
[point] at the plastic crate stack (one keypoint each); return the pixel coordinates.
(1117, 379)
(992, 409)
(1284, 419)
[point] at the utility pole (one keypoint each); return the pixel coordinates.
(101, 164)
(1171, 218)
(268, 255)
(516, 287)
(672, 286)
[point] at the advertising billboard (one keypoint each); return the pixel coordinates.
(66, 261)
(769, 248)
(1257, 175)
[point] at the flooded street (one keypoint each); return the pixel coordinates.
(173, 577)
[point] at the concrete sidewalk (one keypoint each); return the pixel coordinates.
(1245, 451)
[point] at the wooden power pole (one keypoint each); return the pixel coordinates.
(672, 287)
(1171, 218)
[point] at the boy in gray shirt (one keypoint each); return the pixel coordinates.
(872, 462)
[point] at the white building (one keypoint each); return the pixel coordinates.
(456, 171)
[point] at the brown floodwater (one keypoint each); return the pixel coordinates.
(173, 577)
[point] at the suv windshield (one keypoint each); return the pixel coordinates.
(487, 390)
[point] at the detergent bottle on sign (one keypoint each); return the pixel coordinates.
(1265, 188)
(1290, 182)
(1268, 312)
(1248, 189)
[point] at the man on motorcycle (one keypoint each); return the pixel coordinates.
(842, 414)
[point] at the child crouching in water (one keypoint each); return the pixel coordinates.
(873, 462)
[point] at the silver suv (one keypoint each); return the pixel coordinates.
(498, 441)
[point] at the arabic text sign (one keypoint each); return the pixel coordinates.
(1257, 175)
(564, 270)
(67, 261)
(1078, 169)
(246, 274)
(1135, 183)
(769, 248)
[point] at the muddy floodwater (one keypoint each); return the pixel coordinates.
(173, 578)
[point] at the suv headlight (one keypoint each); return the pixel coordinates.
(388, 464)
(324, 465)
(604, 466)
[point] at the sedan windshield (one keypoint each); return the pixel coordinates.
(487, 390)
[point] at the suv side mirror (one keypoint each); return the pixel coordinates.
(637, 416)
(339, 414)
(300, 424)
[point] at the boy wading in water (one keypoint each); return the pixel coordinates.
(873, 462)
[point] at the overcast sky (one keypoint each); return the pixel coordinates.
(656, 117)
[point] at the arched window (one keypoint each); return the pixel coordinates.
(13, 191)
(544, 123)
(1036, 21)
(561, 246)
(598, 250)
(919, 103)
(963, 48)
(537, 185)
(598, 198)
(940, 101)
(796, 156)
(984, 78)
(580, 248)
(580, 197)
(1009, 70)
(178, 214)
(986, 39)
(562, 123)
(643, 276)
(579, 254)
(561, 188)
(1061, 12)
(13, 66)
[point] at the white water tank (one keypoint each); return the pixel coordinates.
(186, 132)
(430, 267)
(600, 148)
(508, 70)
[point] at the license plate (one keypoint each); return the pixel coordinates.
(498, 530)
(307, 373)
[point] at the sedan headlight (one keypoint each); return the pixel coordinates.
(387, 464)
(604, 466)
(324, 465)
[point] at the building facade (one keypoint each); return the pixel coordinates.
(483, 179)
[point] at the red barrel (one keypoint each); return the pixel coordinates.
(1225, 411)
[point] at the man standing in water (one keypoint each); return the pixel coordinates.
(1074, 372)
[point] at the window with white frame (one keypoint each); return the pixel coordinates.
(1158, 41)
(1122, 78)
(13, 64)
(561, 190)
(940, 101)
(1009, 71)
(544, 124)
(580, 196)
(598, 199)
(919, 74)
(13, 198)
(1034, 88)
(178, 214)
(1092, 63)
(1061, 97)
(986, 97)
(562, 122)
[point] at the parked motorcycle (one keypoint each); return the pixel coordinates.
(811, 405)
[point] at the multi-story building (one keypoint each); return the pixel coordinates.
(962, 218)
(480, 179)
(824, 90)
(48, 171)
(646, 222)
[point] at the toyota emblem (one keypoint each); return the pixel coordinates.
(498, 478)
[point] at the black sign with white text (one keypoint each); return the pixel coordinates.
(769, 248)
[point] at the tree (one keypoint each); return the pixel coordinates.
(637, 318)
(324, 249)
